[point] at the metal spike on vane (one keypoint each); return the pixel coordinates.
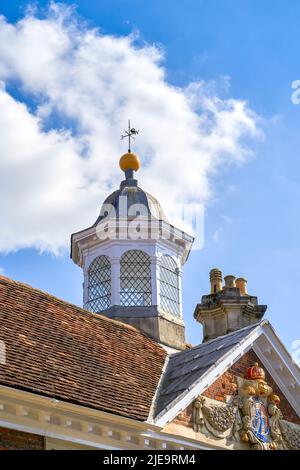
(129, 134)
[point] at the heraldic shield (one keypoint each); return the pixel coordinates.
(260, 420)
(260, 412)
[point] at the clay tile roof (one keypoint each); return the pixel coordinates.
(59, 350)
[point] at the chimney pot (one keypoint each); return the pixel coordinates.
(241, 283)
(229, 280)
(215, 277)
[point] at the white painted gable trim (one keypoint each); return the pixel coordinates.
(282, 357)
(281, 350)
(272, 371)
(280, 365)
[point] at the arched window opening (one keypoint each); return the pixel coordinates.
(169, 286)
(135, 279)
(99, 284)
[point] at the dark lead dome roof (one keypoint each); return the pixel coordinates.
(131, 201)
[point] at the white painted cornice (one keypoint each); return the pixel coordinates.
(77, 425)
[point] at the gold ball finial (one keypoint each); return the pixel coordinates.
(129, 161)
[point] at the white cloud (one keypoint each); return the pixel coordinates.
(226, 219)
(217, 234)
(84, 85)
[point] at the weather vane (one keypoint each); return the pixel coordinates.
(129, 134)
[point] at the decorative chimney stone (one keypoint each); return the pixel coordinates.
(227, 309)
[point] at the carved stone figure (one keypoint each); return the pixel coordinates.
(275, 417)
(198, 419)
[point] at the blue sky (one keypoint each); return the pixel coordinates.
(252, 218)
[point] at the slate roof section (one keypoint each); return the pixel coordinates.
(59, 350)
(186, 368)
(133, 195)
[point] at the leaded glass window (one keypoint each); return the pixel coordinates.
(99, 287)
(135, 279)
(169, 286)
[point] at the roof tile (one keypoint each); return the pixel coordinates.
(57, 349)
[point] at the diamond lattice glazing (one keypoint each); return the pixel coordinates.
(169, 286)
(135, 279)
(99, 290)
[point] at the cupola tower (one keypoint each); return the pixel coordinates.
(132, 260)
